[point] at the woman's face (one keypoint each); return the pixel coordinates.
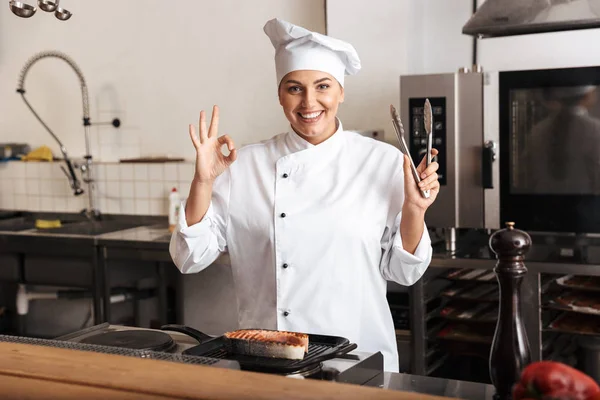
(310, 101)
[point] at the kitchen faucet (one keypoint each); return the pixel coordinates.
(86, 168)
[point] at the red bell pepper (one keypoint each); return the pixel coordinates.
(549, 380)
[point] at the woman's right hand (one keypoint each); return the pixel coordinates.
(210, 161)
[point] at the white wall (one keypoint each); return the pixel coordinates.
(156, 67)
(444, 48)
(377, 29)
(396, 37)
(393, 38)
(153, 64)
(447, 49)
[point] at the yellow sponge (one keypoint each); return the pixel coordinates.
(40, 154)
(47, 224)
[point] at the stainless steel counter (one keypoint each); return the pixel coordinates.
(147, 246)
(433, 386)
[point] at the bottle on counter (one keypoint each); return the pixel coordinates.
(174, 205)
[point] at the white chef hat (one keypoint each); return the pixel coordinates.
(297, 48)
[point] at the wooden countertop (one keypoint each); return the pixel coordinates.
(39, 372)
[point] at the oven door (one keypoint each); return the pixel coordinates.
(550, 149)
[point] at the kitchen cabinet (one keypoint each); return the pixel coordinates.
(69, 257)
(571, 309)
(150, 265)
(453, 309)
(65, 270)
(36, 260)
(459, 318)
(10, 267)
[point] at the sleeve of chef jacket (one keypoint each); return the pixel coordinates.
(195, 247)
(397, 264)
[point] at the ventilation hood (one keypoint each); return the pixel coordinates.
(496, 18)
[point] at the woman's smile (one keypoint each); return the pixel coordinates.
(310, 101)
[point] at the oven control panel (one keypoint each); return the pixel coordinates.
(417, 137)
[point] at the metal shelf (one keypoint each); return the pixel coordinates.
(437, 364)
(559, 307)
(559, 346)
(432, 350)
(467, 339)
(434, 330)
(434, 313)
(539, 281)
(468, 320)
(548, 328)
(477, 274)
(553, 330)
(484, 300)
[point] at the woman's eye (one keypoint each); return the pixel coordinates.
(323, 86)
(294, 89)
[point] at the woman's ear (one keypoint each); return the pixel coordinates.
(342, 94)
(279, 95)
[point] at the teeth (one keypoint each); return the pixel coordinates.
(311, 115)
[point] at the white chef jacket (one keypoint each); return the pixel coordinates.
(313, 234)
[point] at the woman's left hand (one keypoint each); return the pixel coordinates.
(429, 181)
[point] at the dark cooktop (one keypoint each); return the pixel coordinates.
(133, 339)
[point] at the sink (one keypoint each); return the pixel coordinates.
(91, 228)
(23, 224)
(69, 227)
(8, 214)
(164, 238)
(16, 224)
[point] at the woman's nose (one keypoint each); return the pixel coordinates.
(308, 99)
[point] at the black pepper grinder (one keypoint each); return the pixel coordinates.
(510, 349)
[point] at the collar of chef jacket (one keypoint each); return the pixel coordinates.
(304, 154)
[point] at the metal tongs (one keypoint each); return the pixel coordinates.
(404, 148)
(428, 122)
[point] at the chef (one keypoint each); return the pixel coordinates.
(315, 220)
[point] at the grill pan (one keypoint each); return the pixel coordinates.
(320, 348)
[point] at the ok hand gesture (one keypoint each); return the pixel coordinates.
(210, 161)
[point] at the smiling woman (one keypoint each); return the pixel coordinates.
(315, 220)
(310, 101)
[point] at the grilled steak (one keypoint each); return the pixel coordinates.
(266, 343)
